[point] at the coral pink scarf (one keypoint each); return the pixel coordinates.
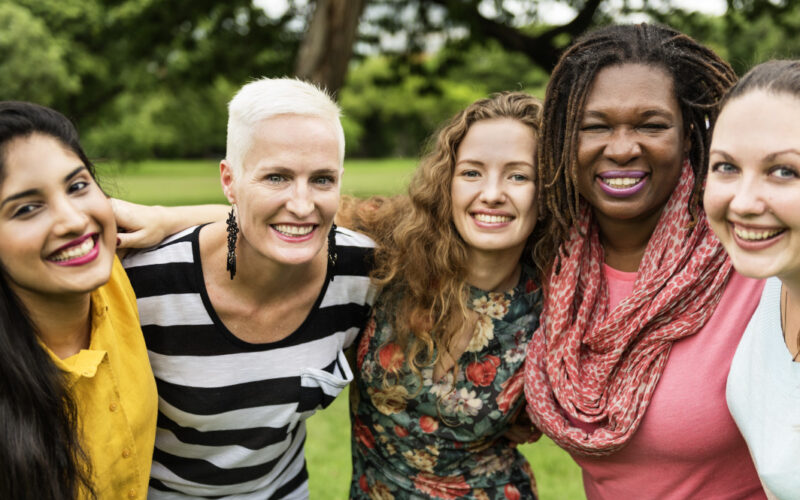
(602, 368)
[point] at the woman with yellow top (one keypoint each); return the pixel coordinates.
(78, 400)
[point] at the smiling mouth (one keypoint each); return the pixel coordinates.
(492, 219)
(291, 230)
(74, 252)
(756, 234)
(621, 182)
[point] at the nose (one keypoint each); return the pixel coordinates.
(69, 218)
(622, 147)
(748, 198)
(492, 190)
(301, 203)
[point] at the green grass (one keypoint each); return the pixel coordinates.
(177, 182)
(181, 182)
(329, 467)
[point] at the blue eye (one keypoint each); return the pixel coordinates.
(470, 173)
(724, 168)
(519, 177)
(324, 180)
(785, 172)
(274, 178)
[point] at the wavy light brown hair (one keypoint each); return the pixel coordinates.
(421, 260)
(700, 78)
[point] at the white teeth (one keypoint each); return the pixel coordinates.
(74, 252)
(492, 219)
(292, 230)
(622, 182)
(755, 235)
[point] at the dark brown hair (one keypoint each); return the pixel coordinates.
(40, 451)
(699, 79)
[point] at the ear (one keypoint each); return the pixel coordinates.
(227, 180)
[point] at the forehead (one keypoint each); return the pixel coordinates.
(291, 140)
(632, 86)
(503, 139)
(34, 160)
(759, 122)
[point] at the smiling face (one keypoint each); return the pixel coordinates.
(752, 194)
(631, 144)
(493, 191)
(288, 190)
(57, 231)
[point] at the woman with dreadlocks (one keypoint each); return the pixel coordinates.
(643, 311)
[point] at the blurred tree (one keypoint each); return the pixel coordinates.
(150, 77)
(328, 45)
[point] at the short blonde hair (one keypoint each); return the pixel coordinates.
(268, 97)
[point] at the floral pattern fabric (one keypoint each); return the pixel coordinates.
(419, 438)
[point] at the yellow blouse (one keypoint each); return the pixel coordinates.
(115, 392)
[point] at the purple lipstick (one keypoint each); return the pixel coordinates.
(622, 183)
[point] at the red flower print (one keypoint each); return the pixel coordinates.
(391, 357)
(362, 483)
(363, 434)
(446, 488)
(511, 492)
(400, 431)
(511, 391)
(530, 286)
(428, 424)
(482, 373)
(363, 346)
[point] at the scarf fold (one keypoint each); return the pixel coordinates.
(599, 366)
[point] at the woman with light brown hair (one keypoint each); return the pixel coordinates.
(439, 365)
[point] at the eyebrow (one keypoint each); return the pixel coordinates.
(505, 165)
(768, 158)
(32, 192)
(646, 114)
(286, 170)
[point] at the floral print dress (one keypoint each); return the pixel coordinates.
(421, 439)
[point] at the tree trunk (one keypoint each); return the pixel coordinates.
(328, 45)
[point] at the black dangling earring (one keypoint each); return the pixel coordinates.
(233, 230)
(332, 256)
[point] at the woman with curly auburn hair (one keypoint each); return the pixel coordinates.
(439, 366)
(643, 310)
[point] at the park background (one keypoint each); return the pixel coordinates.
(147, 83)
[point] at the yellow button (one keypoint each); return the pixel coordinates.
(112, 407)
(87, 373)
(126, 453)
(132, 493)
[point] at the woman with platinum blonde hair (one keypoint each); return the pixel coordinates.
(753, 202)
(246, 320)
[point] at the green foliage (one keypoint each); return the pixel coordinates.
(400, 101)
(33, 62)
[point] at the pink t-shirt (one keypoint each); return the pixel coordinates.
(687, 445)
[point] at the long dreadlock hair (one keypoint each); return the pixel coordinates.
(699, 79)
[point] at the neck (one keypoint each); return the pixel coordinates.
(791, 315)
(63, 323)
(257, 278)
(494, 271)
(625, 241)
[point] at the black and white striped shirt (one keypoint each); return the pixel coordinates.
(231, 420)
